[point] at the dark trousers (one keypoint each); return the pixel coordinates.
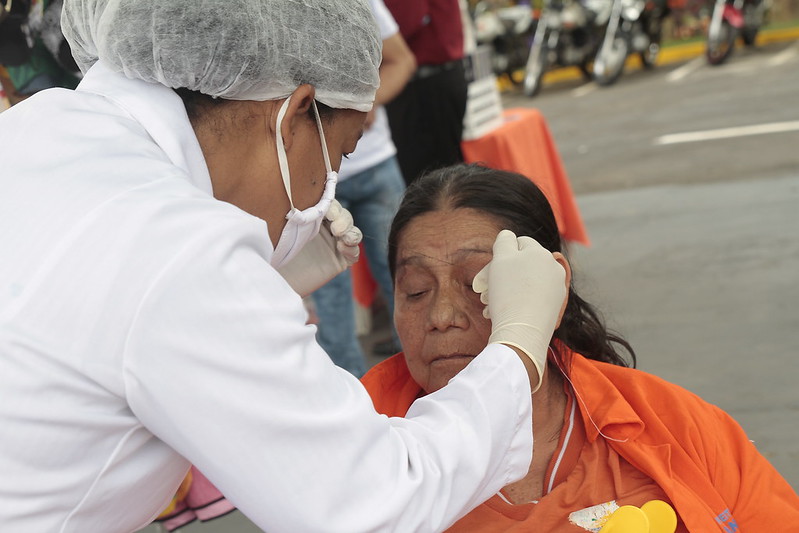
(426, 121)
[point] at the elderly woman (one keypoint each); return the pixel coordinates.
(606, 436)
(158, 226)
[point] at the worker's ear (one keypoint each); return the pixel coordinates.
(297, 113)
(561, 259)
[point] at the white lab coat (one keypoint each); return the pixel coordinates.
(142, 328)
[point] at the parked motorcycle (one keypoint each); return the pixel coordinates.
(634, 27)
(508, 30)
(568, 34)
(731, 18)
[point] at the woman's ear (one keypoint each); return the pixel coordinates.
(297, 112)
(561, 259)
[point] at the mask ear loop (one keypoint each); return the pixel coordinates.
(281, 152)
(577, 394)
(328, 167)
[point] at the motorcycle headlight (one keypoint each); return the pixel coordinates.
(632, 13)
(553, 21)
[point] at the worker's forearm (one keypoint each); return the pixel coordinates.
(396, 70)
(393, 82)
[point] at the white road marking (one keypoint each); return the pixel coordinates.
(585, 89)
(686, 70)
(784, 56)
(726, 133)
(746, 67)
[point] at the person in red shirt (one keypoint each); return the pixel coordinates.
(426, 118)
(606, 436)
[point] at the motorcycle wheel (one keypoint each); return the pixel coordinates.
(585, 69)
(536, 66)
(609, 63)
(720, 47)
(753, 19)
(650, 56)
(749, 35)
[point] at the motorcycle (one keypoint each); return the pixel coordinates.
(731, 18)
(568, 34)
(634, 27)
(507, 30)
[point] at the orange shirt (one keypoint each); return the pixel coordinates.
(666, 444)
(585, 482)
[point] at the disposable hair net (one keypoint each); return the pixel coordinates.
(234, 49)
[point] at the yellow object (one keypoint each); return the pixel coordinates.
(662, 518)
(654, 516)
(183, 490)
(626, 519)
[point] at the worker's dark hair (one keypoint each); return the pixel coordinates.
(197, 103)
(520, 206)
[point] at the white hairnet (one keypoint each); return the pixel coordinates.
(234, 49)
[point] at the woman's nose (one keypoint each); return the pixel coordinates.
(447, 310)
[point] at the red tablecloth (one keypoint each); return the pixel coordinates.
(522, 144)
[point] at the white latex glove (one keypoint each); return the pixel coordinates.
(325, 256)
(524, 289)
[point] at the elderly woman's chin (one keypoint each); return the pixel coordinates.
(444, 367)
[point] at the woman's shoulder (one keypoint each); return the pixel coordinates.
(636, 380)
(391, 386)
(648, 395)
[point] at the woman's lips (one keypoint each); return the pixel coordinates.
(453, 357)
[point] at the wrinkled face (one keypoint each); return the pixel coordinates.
(439, 318)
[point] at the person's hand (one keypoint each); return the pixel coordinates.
(328, 254)
(524, 288)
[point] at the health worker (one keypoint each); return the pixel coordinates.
(158, 227)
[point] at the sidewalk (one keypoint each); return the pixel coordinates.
(672, 52)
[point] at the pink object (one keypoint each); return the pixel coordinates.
(202, 501)
(734, 16)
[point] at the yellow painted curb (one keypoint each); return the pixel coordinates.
(776, 36)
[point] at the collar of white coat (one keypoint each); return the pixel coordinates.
(160, 111)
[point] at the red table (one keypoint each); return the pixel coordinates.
(524, 144)
(521, 144)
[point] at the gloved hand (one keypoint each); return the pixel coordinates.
(328, 254)
(524, 288)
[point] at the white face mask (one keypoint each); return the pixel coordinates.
(301, 226)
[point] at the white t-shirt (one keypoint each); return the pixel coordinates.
(376, 145)
(142, 328)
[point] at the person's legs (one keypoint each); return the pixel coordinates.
(405, 118)
(373, 197)
(336, 328)
(379, 192)
(381, 189)
(335, 309)
(426, 121)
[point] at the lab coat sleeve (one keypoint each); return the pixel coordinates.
(220, 365)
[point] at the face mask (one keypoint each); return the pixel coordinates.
(301, 226)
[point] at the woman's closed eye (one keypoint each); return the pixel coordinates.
(415, 294)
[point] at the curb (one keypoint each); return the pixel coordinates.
(668, 55)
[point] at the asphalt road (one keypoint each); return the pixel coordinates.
(695, 255)
(607, 136)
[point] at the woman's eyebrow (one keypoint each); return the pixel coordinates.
(416, 260)
(419, 259)
(469, 251)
